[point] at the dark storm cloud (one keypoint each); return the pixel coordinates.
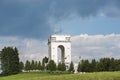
(36, 18)
(24, 18)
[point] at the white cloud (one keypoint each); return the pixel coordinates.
(96, 46)
(84, 45)
(28, 48)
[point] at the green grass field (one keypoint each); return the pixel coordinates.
(47, 76)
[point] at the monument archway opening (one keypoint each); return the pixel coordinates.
(61, 53)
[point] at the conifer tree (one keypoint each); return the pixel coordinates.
(51, 65)
(79, 67)
(32, 65)
(10, 60)
(21, 65)
(93, 66)
(63, 66)
(36, 65)
(59, 66)
(27, 66)
(71, 69)
(85, 66)
(43, 65)
(45, 59)
(112, 65)
(39, 66)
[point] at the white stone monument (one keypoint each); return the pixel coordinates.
(63, 42)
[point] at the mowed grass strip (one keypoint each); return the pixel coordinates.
(47, 76)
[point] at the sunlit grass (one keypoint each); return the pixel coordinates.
(47, 76)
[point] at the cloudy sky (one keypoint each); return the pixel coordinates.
(94, 26)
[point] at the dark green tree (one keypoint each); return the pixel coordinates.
(93, 66)
(104, 64)
(117, 64)
(27, 66)
(85, 66)
(36, 65)
(59, 66)
(10, 60)
(71, 69)
(32, 65)
(98, 66)
(63, 66)
(39, 66)
(21, 65)
(112, 64)
(45, 59)
(79, 67)
(43, 64)
(51, 65)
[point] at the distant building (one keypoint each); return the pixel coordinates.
(63, 42)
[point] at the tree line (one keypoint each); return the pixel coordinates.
(104, 64)
(33, 65)
(43, 66)
(10, 64)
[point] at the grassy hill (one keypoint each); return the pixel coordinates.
(47, 76)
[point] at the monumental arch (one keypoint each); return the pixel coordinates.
(63, 42)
